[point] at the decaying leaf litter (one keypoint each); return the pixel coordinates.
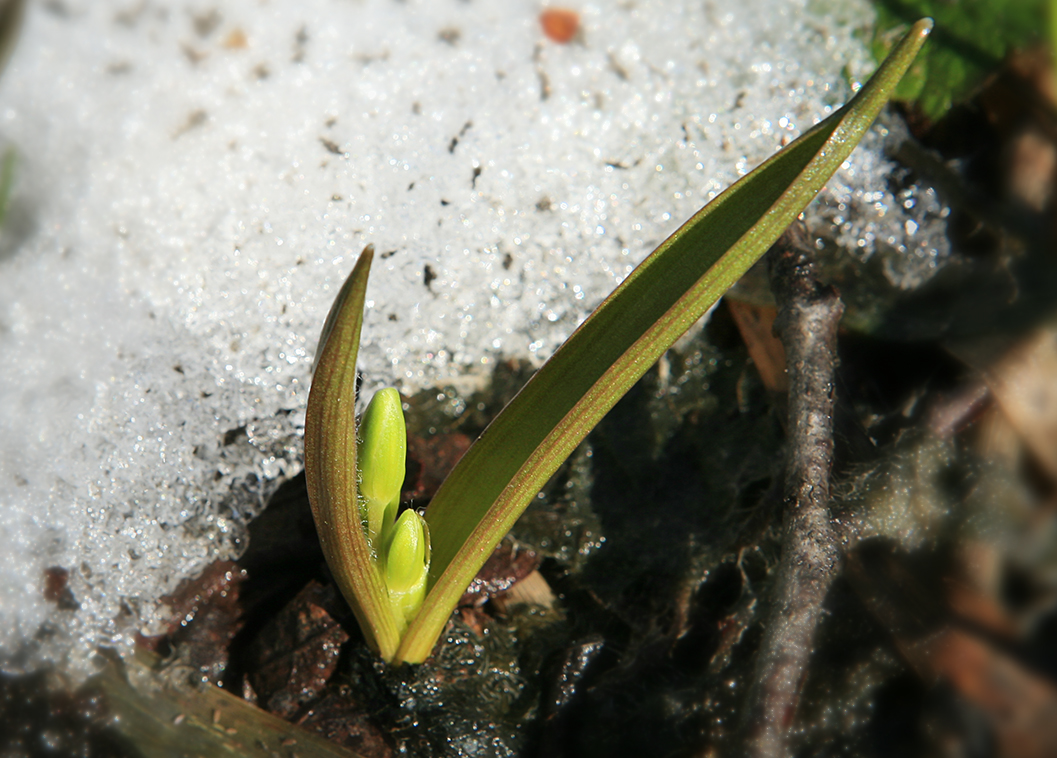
(938, 626)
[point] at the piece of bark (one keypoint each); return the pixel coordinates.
(808, 314)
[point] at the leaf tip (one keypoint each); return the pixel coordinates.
(923, 27)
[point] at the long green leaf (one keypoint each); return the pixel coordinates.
(330, 464)
(179, 720)
(504, 469)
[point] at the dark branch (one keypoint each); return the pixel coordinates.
(808, 314)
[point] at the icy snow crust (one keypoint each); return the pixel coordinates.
(195, 181)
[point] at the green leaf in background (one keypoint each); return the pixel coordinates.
(157, 721)
(1053, 36)
(505, 468)
(11, 14)
(969, 42)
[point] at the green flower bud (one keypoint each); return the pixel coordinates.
(380, 463)
(407, 565)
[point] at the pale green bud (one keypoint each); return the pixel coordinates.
(380, 462)
(407, 565)
(383, 445)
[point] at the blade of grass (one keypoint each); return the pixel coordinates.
(504, 469)
(330, 464)
(7, 181)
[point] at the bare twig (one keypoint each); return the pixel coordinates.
(808, 314)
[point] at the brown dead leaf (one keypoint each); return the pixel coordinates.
(975, 592)
(1031, 168)
(297, 651)
(204, 617)
(756, 325)
(1021, 707)
(429, 460)
(1024, 382)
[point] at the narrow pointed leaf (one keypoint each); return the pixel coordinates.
(627, 333)
(330, 470)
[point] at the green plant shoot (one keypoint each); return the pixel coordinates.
(504, 469)
(381, 457)
(401, 545)
(407, 566)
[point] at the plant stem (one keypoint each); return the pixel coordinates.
(808, 314)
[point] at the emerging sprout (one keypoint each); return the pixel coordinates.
(380, 462)
(407, 566)
(400, 547)
(383, 565)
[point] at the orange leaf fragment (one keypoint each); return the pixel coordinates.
(560, 24)
(236, 40)
(756, 325)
